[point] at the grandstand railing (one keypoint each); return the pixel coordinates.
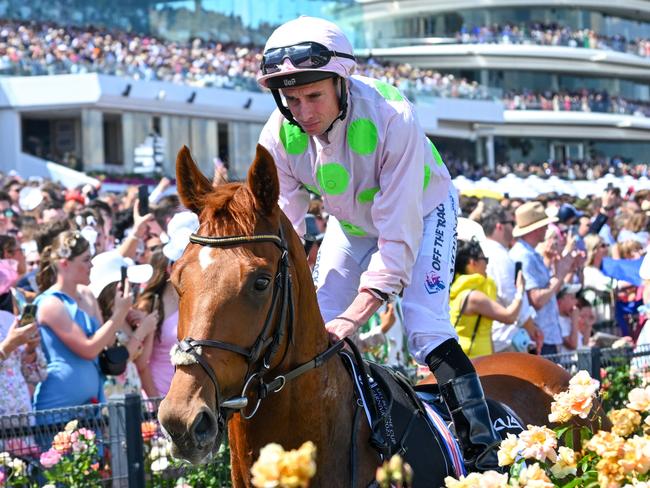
(126, 428)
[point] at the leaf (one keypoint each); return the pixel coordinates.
(572, 483)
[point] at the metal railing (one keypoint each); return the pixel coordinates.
(595, 359)
(129, 444)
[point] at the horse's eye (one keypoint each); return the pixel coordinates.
(262, 284)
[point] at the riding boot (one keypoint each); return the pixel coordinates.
(463, 395)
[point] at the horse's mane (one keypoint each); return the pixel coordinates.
(229, 210)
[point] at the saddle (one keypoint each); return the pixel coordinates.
(414, 423)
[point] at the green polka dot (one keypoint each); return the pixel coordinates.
(427, 176)
(312, 188)
(389, 92)
(293, 139)
(362, 136)
(353, 230)
(333, 178)
(367, 195)
(436, 154)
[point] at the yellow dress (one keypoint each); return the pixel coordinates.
(461, 286)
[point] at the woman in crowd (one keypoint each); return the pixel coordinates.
(154, 366)
(133, 332)
(71, 331)
(22, 364)
(473, 305)
(10, 250)
(598, 289)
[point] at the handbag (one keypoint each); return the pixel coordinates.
(113, 360)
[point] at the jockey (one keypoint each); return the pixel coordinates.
(357, 143)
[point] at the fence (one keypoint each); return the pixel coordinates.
(127, 449)
(594, 359)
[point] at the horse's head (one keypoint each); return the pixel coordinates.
(235, 308)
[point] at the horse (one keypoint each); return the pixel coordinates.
(253, 351)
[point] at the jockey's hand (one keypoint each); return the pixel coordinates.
(341, 327)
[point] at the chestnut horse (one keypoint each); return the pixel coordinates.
(244, 280)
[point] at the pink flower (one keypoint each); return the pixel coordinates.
(2, 478)
(87, 434)
(50, 458)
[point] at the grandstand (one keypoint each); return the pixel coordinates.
(561, 69)
(513, 81)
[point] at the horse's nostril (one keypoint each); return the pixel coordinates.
(204, 429)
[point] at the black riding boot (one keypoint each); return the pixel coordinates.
(463, 394)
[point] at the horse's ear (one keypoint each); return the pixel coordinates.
(263, 181)
(192, 185)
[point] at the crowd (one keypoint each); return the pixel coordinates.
(578, 169)
(551, 35)
(96, 268)
(46, 49)
(581, 281)
(581, 101)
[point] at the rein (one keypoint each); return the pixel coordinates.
(265, 347)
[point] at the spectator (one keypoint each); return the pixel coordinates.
(473, 304)
(105, 276)
(542, 282)
(154, 367)
(69, 319)
(567, 302)
(599, 289)
(498, 223)
(22, 364)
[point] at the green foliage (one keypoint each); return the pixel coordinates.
(617, 382)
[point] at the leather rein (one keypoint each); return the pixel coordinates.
(267, 344)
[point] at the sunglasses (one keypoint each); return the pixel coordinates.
(303, 55)
(511, 222)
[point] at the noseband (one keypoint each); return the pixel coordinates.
(266, 345)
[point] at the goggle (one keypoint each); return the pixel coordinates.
(305, 55)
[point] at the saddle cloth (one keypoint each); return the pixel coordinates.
(416, 423)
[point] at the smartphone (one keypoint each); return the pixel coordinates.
(517, 269)
(122, 277)
(143, 199)
(154, 304)
(28, 316)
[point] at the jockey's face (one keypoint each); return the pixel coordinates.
(314, 106)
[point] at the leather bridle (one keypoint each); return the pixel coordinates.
(267, 344)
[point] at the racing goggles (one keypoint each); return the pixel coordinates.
(306, 55)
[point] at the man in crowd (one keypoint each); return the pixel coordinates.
(498, 223)
(542, 283)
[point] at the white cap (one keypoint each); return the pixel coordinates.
(29, 198)
(179, 229)
(107, 269)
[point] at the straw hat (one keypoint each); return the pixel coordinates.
(529, 217)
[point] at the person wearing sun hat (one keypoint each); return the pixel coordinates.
(542, 283)
(357, 143)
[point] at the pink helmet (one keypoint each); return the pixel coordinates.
(305, 50)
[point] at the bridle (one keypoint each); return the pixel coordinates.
(267, 344)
